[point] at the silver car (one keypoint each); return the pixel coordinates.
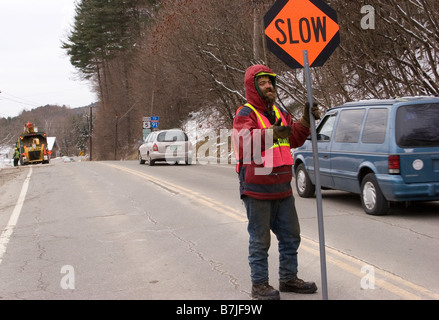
(171, 146)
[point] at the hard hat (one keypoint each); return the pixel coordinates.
(272, 76)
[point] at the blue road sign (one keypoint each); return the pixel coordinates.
(154, 122)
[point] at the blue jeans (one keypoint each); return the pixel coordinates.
(280, 216)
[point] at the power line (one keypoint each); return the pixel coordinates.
(24, 101)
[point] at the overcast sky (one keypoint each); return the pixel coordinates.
(34, 70)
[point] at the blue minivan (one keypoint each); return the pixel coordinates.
(384, 150)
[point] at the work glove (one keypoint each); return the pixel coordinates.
(280, 132)
(305, 117)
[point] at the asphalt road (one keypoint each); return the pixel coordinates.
(120, 230)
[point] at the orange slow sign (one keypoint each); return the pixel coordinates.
(293, 26)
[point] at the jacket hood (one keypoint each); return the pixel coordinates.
(251, 92)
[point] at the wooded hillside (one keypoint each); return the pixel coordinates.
(170, 57)
(69, 126)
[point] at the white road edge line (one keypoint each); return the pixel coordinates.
(7, 232)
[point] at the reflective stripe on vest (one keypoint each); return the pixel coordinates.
(279, 154)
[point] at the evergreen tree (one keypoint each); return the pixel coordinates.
(101, 29)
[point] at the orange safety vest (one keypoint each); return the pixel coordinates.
(280, 153)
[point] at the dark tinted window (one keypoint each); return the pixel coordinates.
(375, 126)
(417, 126)
(170, 136)
(349, 126)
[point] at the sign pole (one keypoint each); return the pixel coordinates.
(317, 177)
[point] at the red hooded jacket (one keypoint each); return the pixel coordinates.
(255, 180)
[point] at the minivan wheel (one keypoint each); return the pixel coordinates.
(304, 186)
(372, 199)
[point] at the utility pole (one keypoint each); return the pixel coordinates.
(117, 122)
(115, 140)
(90, 133)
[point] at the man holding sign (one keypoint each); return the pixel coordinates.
(265, 174)
(304, 34)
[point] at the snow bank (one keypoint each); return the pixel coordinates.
(211, 142)
(6, 155)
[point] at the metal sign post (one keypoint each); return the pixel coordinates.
(317, 178)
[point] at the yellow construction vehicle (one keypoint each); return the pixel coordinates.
(32, 146)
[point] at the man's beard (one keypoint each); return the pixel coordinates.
(270, 96)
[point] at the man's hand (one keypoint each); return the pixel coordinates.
(305, 117)
(279, 131)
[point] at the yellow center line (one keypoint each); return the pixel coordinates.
(383, 279)
(350, 264)
(209, 202)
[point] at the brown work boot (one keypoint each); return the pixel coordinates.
(264, 292)
(297, 285)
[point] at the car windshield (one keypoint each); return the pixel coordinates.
(417, 126)
(171, 136)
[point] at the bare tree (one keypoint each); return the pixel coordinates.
(192, 55)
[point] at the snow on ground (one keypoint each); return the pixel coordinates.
(208, 137)
(6, 163)
(6, 153)
(200, 124)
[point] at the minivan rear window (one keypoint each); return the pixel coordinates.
(418, 126)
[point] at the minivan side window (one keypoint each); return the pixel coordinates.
(349, 126)
(326, 128)
(417, 126)
(375, 126)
